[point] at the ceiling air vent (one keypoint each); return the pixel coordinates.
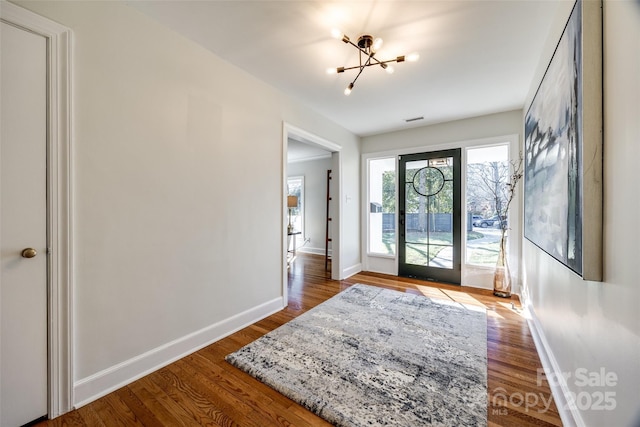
(415, 119)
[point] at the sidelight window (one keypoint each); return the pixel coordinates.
(382, 206)
(487, 175)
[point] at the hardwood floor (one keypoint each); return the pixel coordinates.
(202, 389)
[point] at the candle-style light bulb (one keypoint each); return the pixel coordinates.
(336, 33)
(413, 57)
(377, 44)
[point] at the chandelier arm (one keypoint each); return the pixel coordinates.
(386, 62)
(352, 68)
(368, 65)
(362, 67)
(363, 51)
(378, 62)
(357, 47)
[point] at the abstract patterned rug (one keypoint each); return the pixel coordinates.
(374, 357)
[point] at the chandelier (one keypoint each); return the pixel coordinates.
(367, 47)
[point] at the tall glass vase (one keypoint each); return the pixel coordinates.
(502, 275)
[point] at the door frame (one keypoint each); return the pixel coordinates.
(290, 131)
(453, 275)
(59, 203)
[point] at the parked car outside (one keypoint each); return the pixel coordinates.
(494, 221)
(475, 220)
(485, 222)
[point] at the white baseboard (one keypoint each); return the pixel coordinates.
(380, 271)
(350, 271)
(569, 414)
(477, 285)
(309, 250)
(515, 289)
(104, 382)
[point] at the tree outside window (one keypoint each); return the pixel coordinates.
(488, 175)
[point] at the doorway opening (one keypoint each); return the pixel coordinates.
(329, 153)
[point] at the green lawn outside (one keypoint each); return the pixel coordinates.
(487, 255)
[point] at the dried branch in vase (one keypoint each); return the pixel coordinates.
(502, 275)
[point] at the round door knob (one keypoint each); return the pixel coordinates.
(29, 253)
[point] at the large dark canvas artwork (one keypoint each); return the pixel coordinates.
(556, 202)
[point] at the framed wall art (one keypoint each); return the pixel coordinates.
(563, 148)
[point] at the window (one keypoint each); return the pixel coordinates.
(382, 206)
(295, 187)
(487, 175)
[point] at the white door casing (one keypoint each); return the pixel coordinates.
(58, 172)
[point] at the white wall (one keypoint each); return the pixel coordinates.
(473, 132)
(350, 262)
(595, 325)
(177, 186)
(315, 201)
(491, 125)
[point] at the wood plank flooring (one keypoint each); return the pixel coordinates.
(202, 389)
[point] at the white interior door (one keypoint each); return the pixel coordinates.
(23, 275)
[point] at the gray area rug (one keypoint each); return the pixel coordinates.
(374, 357)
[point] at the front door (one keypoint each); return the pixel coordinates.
(430, 216)
(23, 226)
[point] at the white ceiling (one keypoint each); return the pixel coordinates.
(476, 56)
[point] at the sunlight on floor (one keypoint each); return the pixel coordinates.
(431, 292)
(494, 315)
(516, 309)
(462, 298)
